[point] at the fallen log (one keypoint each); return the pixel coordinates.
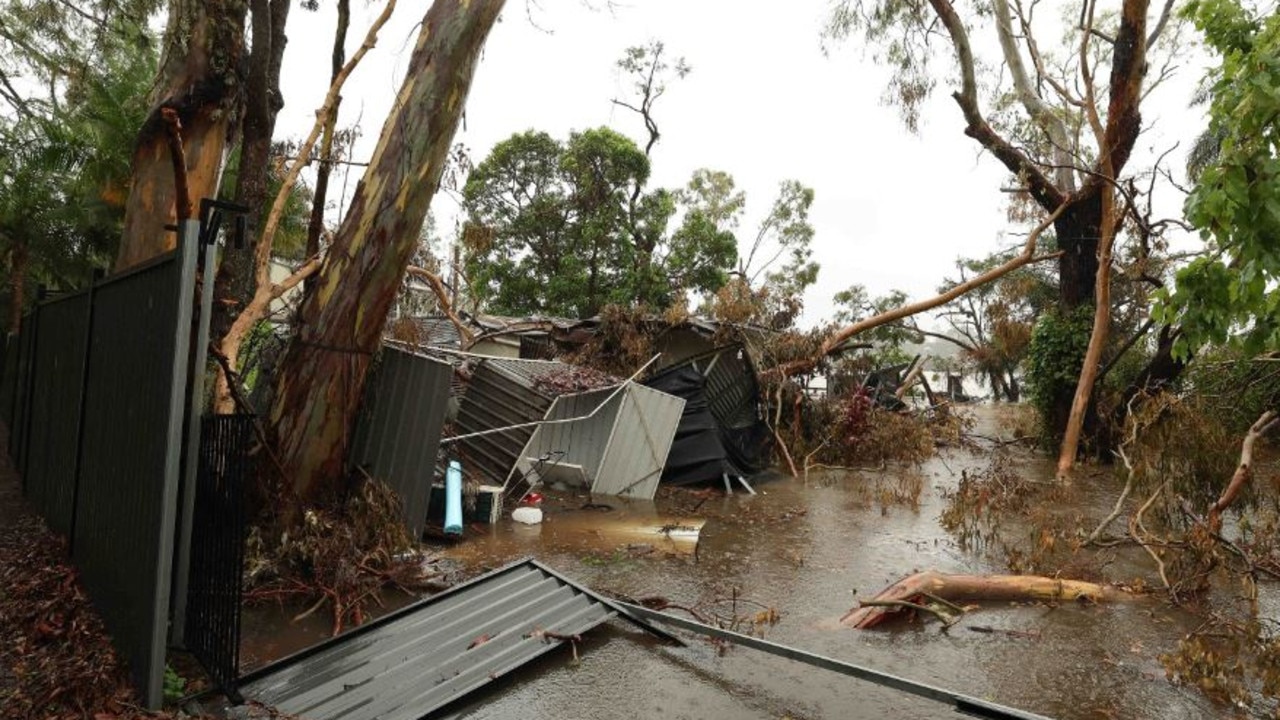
(916, 588)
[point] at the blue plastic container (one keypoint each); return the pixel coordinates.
(453, 499)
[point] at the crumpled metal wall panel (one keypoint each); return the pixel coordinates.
(398, 432)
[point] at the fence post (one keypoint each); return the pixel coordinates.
(188, 249)
(199, 361)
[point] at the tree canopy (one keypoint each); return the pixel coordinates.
(565, 228)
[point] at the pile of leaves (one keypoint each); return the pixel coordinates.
(622, 342)
(56, 659)
(572, 379)
(340, 557)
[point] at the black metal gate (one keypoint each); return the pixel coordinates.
(217, 546)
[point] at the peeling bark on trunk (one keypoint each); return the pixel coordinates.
(341, 318)
(963, 588)
(236, 280)
(199, 78)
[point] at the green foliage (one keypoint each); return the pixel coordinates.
(1229, 296)
(1055, 355)
(567, 228)
(175, 686)
(69, 136)
(853, 304)
(762, 291)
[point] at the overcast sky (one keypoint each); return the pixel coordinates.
(763, 103)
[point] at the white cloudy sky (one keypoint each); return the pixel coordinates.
(892, 209)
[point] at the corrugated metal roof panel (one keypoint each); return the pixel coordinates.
(415, 661)
(438, 332)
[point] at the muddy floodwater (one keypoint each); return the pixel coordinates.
(808, 547)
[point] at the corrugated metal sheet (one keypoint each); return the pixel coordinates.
(425, 656)
(642, 435)
(438, 332)
(504, 392)
(622, 448)
(581, 443)
(398, 432)
(496, 399)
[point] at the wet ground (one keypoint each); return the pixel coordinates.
(805, 547)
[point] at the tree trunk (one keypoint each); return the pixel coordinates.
(316, 225)
(342, 317)
(200, 79)
(235, 283)
(962, 588)
(1077, 230)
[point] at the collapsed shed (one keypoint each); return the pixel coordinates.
(565, 423)
(721, 432)
(616, 439)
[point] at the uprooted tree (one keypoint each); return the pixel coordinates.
(1070, 118)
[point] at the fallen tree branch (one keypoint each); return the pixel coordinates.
(933, 584)
(1244, 469)
(442, 296)
(1142, 536)
(837, 339)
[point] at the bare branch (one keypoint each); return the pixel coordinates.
(446, 304)
(1049, 196)
(838, 338)
(1161, 23)
(1264, 424)
(1040, 112)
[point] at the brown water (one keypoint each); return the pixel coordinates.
(805, 547)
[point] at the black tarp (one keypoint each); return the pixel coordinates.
(716, 435)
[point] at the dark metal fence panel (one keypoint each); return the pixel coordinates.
(130, 454)
(9, 381)
(398, 432)
(54, 420)
(22, 394)
(217, 545)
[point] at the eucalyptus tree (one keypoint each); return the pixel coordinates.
(342, 315)
(1062, 117)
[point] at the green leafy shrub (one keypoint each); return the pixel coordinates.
(1054, 359)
